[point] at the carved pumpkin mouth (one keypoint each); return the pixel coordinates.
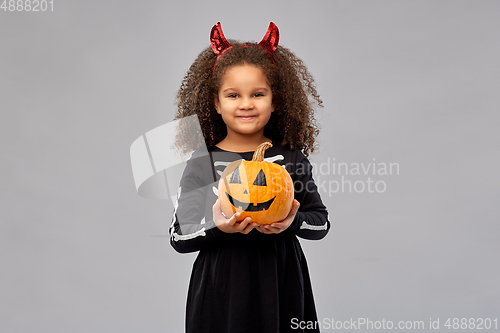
(247, 206)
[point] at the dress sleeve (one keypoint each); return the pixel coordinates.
(192, 226)
(311, 221)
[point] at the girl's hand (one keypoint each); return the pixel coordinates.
(277, 227)
(230, 225)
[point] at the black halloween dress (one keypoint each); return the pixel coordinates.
(246, 283)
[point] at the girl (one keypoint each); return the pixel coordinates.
(247, 277)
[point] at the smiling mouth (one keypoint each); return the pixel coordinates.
(246, 117)
(248, 207)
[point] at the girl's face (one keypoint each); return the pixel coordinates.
(245, 101)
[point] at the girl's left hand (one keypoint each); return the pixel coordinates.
(277, 227)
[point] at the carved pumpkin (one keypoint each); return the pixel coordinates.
(259, 189)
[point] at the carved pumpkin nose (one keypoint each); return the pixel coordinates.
(245, 192)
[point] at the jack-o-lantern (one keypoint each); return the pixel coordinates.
(257, 188)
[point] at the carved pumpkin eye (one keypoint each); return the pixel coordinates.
(235, 177)
(260, 180)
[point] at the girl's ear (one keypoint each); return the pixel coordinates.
(217, 106)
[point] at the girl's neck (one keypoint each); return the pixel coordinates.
(241, 144)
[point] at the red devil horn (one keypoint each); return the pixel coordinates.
(270, 40)
(218, 41)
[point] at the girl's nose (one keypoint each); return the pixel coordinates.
(246, 103)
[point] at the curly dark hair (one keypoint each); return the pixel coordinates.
(293, 89)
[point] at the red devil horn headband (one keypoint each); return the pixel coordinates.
(218, 41)
(268, 43)
(271, 39)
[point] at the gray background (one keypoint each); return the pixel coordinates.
(408, 82)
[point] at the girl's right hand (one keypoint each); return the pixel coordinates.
(230, 225)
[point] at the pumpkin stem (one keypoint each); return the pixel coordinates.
(258, 156)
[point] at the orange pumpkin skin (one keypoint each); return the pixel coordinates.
(258, 189)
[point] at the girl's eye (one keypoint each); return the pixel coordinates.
(232, 96)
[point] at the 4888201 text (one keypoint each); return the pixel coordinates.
(27, 5)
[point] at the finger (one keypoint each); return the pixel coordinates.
(267, 229)
(273, 229)
(295, 207)
(217, 212)
(245, 226)
(297, 203)
(249, 228)
(261, 229)
(244, 223)
(233, 218)
(279, 225)
(216, 206)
